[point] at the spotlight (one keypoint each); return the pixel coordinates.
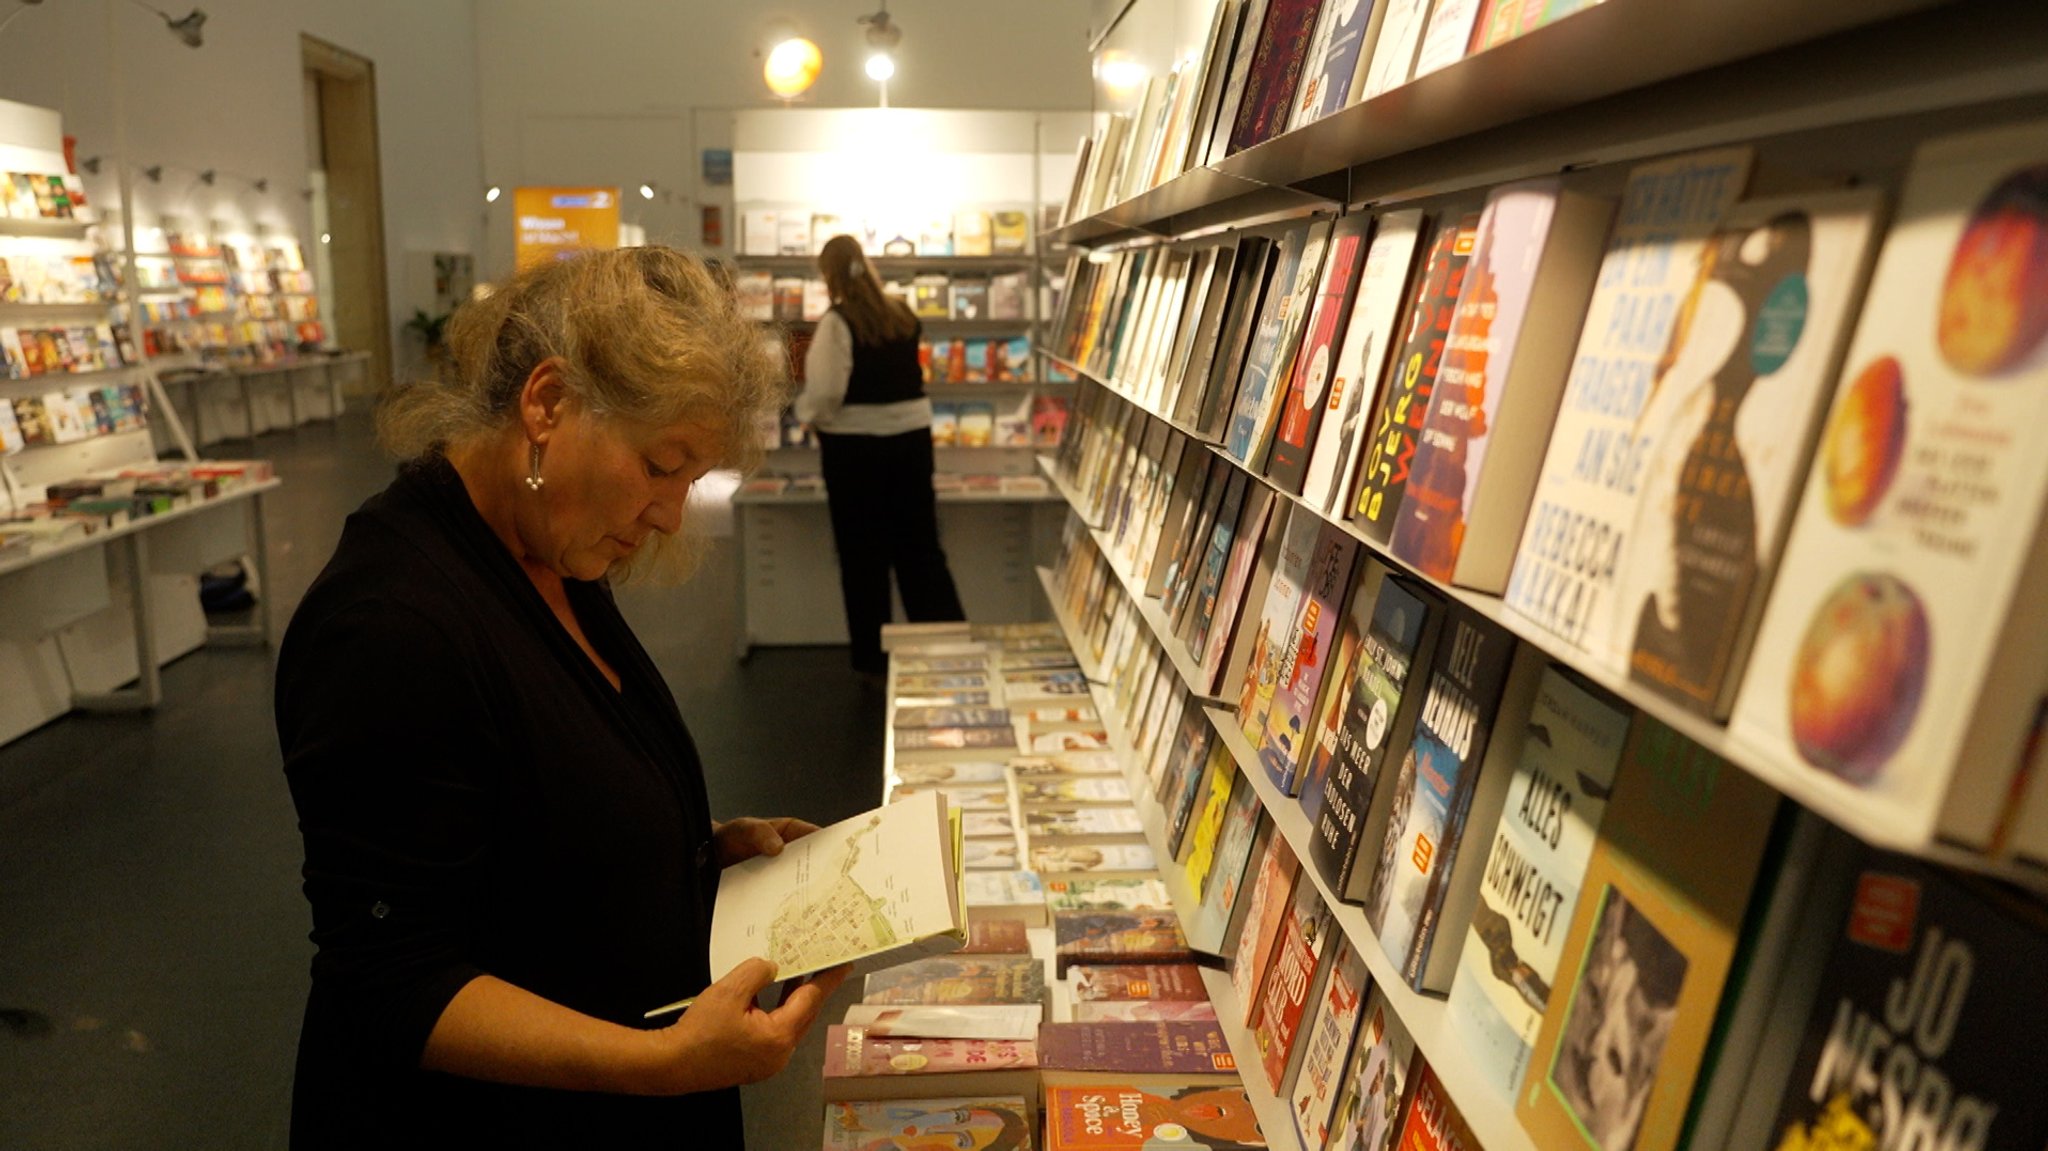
(792, 67)
(880, 67)
(190, 28)
(647, 191)
(327, 237)
(491, 196)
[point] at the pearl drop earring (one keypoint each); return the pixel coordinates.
(533, 478)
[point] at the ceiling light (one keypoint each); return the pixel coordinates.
(491, 195)
(792, 67)
(647, 191)
(327, 237)
(880, 67)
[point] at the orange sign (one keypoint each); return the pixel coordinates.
(550, 223)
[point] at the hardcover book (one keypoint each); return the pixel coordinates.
(1117, 937)
(1337, 59)
(1276, 70)
(1454, 774)
(1303, 654)
(1297, 970)
(1223, 619)
(1302, 409)
(1180, 1049)
(1335, 699)
(1505, 360)
(1368, 1111)
(1266, 908)
(1389, 454)
(1650, 947)
(1200, 1116)
(906, 1124)
(1355, 379)
(1327, 1046)
(1269, 359)
(1897, 665)
(1294, 558)
(955, 980)
(1577, 529)
(1209, 924)
(1531, 883)
(996, 937)
(1255, 289)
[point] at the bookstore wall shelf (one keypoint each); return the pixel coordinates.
(1790, 779)
(893, 265)
(1072, 630)
(55, 229)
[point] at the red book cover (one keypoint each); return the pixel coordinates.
(1275, 72)
(1109, 1117)
(1285, 999)
(1177, 981)
(1180, 1048)
(1117, 937)
(996, 937)
(1433, 1123)
(1302, 410)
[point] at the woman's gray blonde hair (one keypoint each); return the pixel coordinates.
(645, 335)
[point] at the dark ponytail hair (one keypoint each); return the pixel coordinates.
(856, 291)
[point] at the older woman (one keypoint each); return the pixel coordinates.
(509, 851)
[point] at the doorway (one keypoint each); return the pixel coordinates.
(347, 186)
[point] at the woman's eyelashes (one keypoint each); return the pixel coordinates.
(656, 471)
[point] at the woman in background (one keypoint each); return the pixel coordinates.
(864, 395)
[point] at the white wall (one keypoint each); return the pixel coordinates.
(617, 92)
(237, 105)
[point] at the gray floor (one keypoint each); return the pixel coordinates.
(152, 940)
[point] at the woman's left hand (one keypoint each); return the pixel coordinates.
(747, 837)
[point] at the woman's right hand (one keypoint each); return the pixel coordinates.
(725, 1040)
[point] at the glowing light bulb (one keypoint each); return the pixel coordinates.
(647, 191)
(880, 67)
(491, 196)
(792, 67)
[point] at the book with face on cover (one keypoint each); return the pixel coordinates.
(1058, 859)
(878, 889)
(991, 1123)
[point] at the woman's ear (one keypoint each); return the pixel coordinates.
(540, 400)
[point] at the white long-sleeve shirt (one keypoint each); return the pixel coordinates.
(827, 366)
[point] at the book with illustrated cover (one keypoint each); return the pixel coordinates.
(1096, 790)
(1298, 968)
(1010, 233)
(1266, 903)
(1389, 454)
(993, 1122)
(1092, 894)
(1203, 1115)
(1301, 659)
(1143, 1010)
(1393, 53)
(1651, 944)
(915, 717)
(1337, 59)
(1269, 358)
(1896, 666)
(1064, 765)
(1335, 697)
(959, 980)
(987, 825)
(1217, 897)
(860, 1065)
(1531, 884)
(1291, 571)
(1217, 638)
(1326, 1047)
(1276, 71)
(1301, 410)
(956, 773)
(1577, 529)
(965, 797)
(956, 739)
(1505, 361)
(1386, 695)
(1010, 1021)
(1447, 35)
(1779, 284)
(1017, 895)
(1070, 1051)
(1180, 982)
(1117, 937)
(1455, 775)
(1254, 289)
(1185, 792)
(1431, 1121)
(1218, 783)
(1375, 1086)
(1058, 859)
(1229, 100)
(1080, 824)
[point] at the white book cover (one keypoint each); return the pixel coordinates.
(1899, 662)
(935, 1021)
(1354, 383)
(1326, 1047)
(1092, 858)
(1393, 56)
(758, 235)
(1511, 948)
(10, 431)
(859, 889)
(1445, 39)
(1593, 472)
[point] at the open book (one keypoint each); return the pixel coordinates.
(876, 890)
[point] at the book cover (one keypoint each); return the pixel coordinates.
(987, 825)
(1088, 894)
(1505, 361)
(1203, 1116)
(1017, 1022)
(1276, 71)
(1384, 700)
(1189, 1047)
(1298, 674)
(1393, 54)
(1143, 1010)
(1541, 847)
(956, 739)
(1215, 792)
(1254, 288)
(1779, 285)
(1225, 278)
(909, 1124)
(1230, 98)
(853, 1053)
(1082, 823)
(1432, 1122)
(1327, 1046)
(1360, 365)
(1118, 937)
(996, 937)
(1896, 665)
(1297, 962)
(1019, 895)
(951, 980)
(1178, 982)
(1301, 410)
(1210, 551)
(1185, 789)
(1336, 691)
(1389, 453)
(1269, 358)
(1271, 893)
(1103, 790)
(1447, 35)
(1063, 858)
(1343, 37)
(1294, 556)
(1924, 1008)
(1438, 774)
(1210, 922)
(1368, 1111)
(917, 717)
(1577, 528)
(1651, 943)
(1220, 623)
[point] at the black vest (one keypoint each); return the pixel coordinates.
(885, 373)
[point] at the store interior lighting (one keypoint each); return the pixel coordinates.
(492, 193)
(883, 35)
(792, 67)
(189, 28)
(647, 191)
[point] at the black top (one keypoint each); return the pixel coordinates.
(884, 373)
(475, 797)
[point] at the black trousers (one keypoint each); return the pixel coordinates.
(885, 518)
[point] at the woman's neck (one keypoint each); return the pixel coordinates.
(495, 487)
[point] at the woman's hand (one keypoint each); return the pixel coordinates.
(745, 838)
(724, 1040)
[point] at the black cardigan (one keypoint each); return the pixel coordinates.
(475, 797)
